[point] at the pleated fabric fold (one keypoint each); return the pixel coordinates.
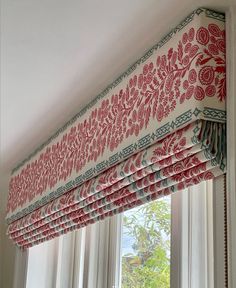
(192, 154)
(157, 129)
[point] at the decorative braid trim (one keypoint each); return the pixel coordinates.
(225, 235)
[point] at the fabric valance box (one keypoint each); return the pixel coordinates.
(159, 128)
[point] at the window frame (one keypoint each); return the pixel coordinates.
(191, 221)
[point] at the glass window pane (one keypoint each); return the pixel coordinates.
(146, 245)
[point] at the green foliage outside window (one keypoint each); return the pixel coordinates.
(148, 265)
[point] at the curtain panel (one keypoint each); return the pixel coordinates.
(159, 128)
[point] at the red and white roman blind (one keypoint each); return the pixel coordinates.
(159, 128)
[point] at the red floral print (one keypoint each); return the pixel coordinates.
(195, 68)
(202, 36)
(206, 75)
(199, 93)
(214, 30)
(210, 91)
(119, 206)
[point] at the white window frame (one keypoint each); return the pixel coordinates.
(197, 236)
(192, 249)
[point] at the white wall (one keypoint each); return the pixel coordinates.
(7, 250)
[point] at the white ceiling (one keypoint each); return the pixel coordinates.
(56, 55)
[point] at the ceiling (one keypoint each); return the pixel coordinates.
(56, 55)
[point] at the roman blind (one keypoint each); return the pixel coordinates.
(159, 128)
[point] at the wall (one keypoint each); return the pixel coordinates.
(7, 250)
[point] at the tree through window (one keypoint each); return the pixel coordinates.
(146, 245)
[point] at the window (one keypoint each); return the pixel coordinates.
(146, 245)
(172, 243)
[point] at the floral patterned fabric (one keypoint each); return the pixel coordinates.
(158, 128)
(189, 155)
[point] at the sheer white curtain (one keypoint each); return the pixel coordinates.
(198, 237)
(87, 258)
(102, 263)
(43, 265)
(192, 246)
(91, 257)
